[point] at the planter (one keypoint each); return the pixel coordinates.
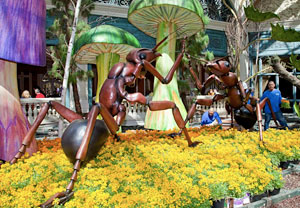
(274, 192)
(218, 203)
(1, 162)
(258, 197)
(284, 165)
(295, 162)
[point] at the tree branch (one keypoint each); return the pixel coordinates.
(277, 67)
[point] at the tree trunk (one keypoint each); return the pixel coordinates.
(69, 53)
(68, 61)
(277, 67)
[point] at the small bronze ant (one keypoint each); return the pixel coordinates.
(236, 96)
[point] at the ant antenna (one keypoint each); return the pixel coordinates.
(165, 38)
(222, 58)
(160, 42)
(197, 58)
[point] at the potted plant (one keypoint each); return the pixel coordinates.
(277, 182)
(218, 193)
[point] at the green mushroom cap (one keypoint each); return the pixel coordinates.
(103, 39)
(186, 14)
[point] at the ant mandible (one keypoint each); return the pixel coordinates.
(112, 94)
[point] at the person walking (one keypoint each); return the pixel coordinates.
(275, 98)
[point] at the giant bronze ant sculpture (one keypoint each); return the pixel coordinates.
(110, 104)
(237, 98)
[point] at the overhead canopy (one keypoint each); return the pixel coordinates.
(186, 14)
(103, 39)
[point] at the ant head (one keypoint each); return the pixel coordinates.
(219, 67)
(148, 55)
(139, 54)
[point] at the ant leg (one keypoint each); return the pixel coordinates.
(206, 102)
(29, 136)
(249, 108)
(108, 119)
(120, 118)
(164, 105)
(259, 119)
(190, 113)
(121, 115)
(62, 110)
(267, 101)
(231, 116)
(229, 110)
(65, 112)
(80, 157)
(248, 95)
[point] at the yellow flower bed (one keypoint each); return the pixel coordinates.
(149, 169)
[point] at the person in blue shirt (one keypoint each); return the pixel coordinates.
(274, 96)
(210, 118)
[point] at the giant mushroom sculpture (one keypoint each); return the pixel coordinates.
(22, 40)
(175, 19)
(104, 45)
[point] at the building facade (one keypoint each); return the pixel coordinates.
(117, 10)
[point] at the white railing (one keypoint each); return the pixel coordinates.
(32, 106)
(135, 113)
(124, 3)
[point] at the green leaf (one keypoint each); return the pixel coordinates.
(209, 55)
(297, 109)
(295, 62)
(279, 33)
(257, 16)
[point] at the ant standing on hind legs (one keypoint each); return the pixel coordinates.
(110, 104)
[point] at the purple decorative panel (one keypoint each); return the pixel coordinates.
(22, 31)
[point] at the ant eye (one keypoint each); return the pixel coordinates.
(226, 64)
(142, 56)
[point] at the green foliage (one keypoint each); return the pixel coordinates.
(285, 105)
(209, 55)
(286, 35)
(183, 85)
(81, 75)
(61, 29)
(297, 109)
(218, 191)
(257, 16)
(195, 46)
(295, 62)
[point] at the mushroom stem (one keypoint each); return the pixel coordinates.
(8, 78)
(164, 120)
(13, 122)
(104, 62)
(168, 47)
